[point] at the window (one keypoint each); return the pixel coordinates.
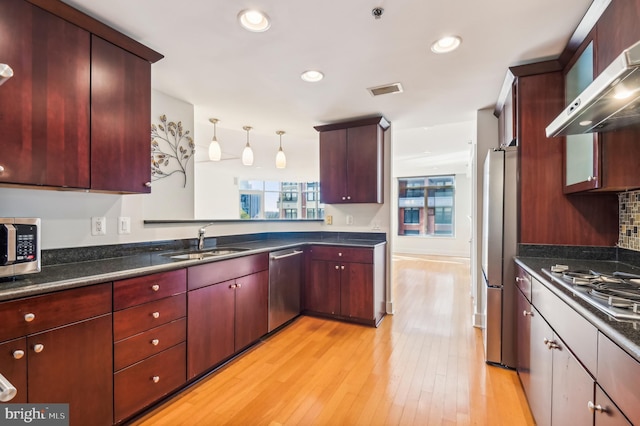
(280, 200)
(426, 206)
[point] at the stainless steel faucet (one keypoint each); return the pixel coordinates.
(201, 232)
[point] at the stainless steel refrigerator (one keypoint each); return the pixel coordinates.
(499, 241)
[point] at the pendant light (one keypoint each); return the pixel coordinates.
(281, 159)
(247, 154)
(215, 152)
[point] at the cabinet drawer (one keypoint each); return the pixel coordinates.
(224, 270)
(619, 375)
(135, 387)
(135, 291)
(143, 317)
(579, 335)
(342, 254)
(148, 343)
(53, 310)
(523, 282)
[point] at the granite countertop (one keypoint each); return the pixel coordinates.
(77, 274)
(625, 333)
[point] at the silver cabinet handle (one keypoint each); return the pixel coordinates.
(155, 342)
(590, 178)
(18, 354)
(337, 267)
(348, 197)
(551, 344)
(232, 286)
(155, 379)
(156, 315)
(7, 390)
(342, 267)
(38, 347)
(155, 287)
(295, 253)
(147, 184)
(238, 285)
(340, 254)
(593, 407)
(29, 317)
(344, 198)
(1, 169)
(528, 314)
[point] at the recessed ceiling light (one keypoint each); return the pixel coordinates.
(446, 44)
(254, 20)
(312, 76)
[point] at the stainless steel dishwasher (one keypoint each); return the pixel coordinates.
(285, 281)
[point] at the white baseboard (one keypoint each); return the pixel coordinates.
(390, 308)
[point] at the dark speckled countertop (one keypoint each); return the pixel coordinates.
(143, 262)
(625, 333)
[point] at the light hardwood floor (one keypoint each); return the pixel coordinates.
(424, 365)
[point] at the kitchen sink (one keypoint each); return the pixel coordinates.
(199, 255)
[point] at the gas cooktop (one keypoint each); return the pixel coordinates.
(617, 294)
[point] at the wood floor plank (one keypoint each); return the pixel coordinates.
(424, 365)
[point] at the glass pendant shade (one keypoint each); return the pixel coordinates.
(247, 153)
(215, 151)
(281, 159)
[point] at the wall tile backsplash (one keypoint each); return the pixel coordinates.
(629, 210)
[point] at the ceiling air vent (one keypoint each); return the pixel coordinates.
(387, 88)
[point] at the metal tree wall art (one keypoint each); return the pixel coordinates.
(171, 149)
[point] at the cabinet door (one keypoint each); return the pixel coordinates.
(75, 366)
(120, 119)
(573, 388)
(581, 152)
(523, 343)
(356, 291)
(333, 171)
(210, 326)
(252, 304)
(541, 365)
(364, 164)
(610, 414)
(322, 287)
(44, 107)
(13, 366)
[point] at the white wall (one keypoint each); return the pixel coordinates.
(438, 150)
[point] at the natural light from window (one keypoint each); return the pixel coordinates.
(426, 206)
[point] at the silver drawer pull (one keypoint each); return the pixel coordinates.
(340, 254)
(342, 267)
(593, 407)
(155, 379)
(156, 315)
(18, 354)
(29, 317)
(155, 342)
(527, 314)
(155, 287)
(238, 285)
(337, 267)
(37, 348)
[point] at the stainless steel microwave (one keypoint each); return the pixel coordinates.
(19, 246)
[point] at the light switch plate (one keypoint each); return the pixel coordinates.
(98, 225)
(124, 225)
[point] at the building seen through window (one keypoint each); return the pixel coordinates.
(426, 205)
(280, 200)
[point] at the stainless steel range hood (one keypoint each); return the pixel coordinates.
(610, 102)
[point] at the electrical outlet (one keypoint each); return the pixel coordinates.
(124, 225)
(349, 219)
(328, 220)
(99, 225)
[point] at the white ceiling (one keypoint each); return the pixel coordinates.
(246, 78)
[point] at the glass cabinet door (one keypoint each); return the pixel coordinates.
(581, 151)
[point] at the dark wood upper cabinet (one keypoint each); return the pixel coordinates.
(120, 119)
(44, 107)
(352, 161)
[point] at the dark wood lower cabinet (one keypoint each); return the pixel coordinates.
(225, 318)
(74, 367)
(210, 329)
(322, 287)
(145, 382)
(356, 291)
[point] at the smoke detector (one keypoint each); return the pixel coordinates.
(387, 88)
